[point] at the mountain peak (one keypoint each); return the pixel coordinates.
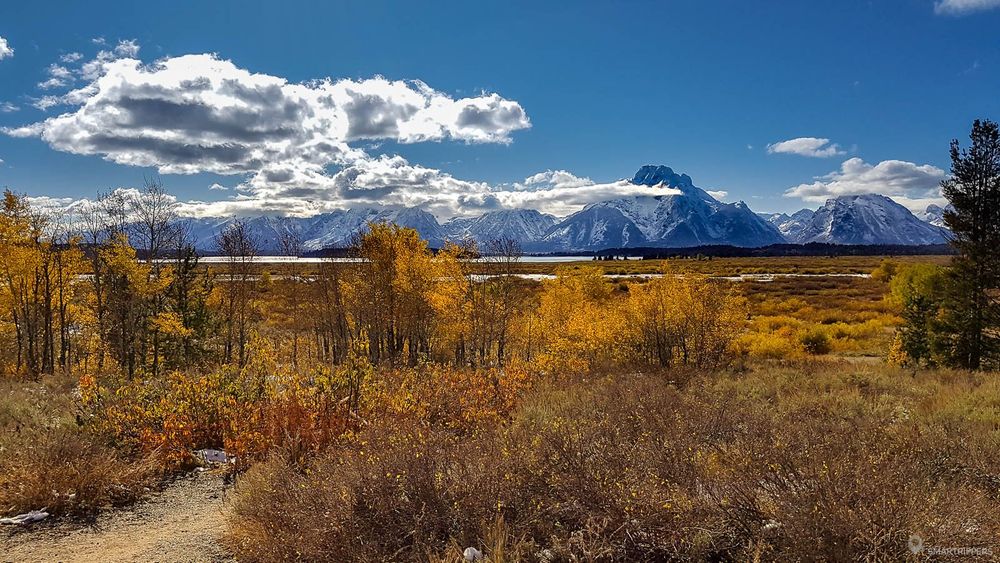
(651, 175)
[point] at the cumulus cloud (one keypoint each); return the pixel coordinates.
(565, 200)
(963, 7)
(552, 179)
(70, 58)
(806, 146)
(912, 185)
(5, 49)
(557, 192)
(297, 148)
(95, 67)
(55, 205)
(59, 77)
(293, 144)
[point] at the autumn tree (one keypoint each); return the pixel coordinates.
(494, 301)
(685, 320)
(579, 322)
(331, 324)
(187, 323)
(153, 225)
(132, 292)
(39, 266)
(290, 245)
(398, 291)
(917, 290)
(240, 246)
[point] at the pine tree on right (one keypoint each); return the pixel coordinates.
(966, 331)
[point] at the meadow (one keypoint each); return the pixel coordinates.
(402, 408)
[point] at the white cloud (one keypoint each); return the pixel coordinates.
(553, 179)
(127, 48)
(57, 71)
(198, 113)
(296, 147)
(53, 205)
(7, 107)
(720, 195)
(963, 7)
(562, 201)
(392, 181)
(59, 76)
(51, 83)
(912, 185)
(43, 103)
(93, 69)
(5, 49)
(806, 146)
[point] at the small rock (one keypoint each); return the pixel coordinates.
(472, 554)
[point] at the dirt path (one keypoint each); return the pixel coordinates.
(182, 523)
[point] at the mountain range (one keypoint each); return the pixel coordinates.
(861, 219)
(684, 215)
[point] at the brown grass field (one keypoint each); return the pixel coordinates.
(805, 445)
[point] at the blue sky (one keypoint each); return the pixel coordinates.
(593, 89)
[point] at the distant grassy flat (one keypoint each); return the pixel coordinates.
(737, 266)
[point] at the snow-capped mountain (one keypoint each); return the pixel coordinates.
(523, 225)
(934, 214)
(790, 224)
(684, 215)
(334, 229)
(865, 219)
(595, 227)
(268, 229)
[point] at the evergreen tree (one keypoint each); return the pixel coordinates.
(970, 316)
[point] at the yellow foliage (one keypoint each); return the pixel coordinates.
(578, 322)
(688, 320)
(169, 324)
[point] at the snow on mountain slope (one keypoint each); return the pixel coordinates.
(934, 214)
(789, 225)
(675, 214)
(523, 225)
(866, 219)
(689, 218)
(595, 227)
(334, 229)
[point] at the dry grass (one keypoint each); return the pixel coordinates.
(850, 315)
(814, 265)
(636, 468)
(48, 461)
